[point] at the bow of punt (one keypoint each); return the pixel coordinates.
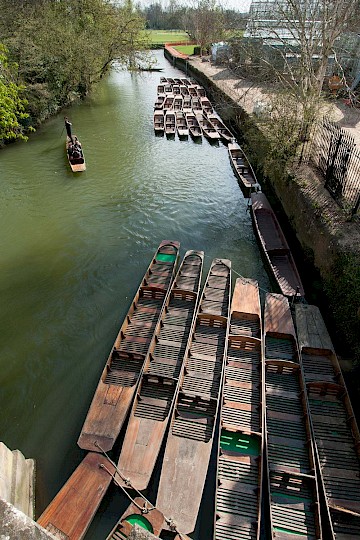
(124, 366)
(159, 384)
(191, 433)
(240, 464)
(293, 493)
(335, 431)
(242, 167)
(275, 247)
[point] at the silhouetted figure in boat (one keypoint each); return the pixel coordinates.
(68, 128)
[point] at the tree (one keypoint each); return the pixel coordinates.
(12, 105)
(206, 23)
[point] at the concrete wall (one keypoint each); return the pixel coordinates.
(17, 480)
(14, 525)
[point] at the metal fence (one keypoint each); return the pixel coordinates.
(334, 153)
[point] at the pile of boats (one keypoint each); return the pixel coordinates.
(182, 107)
(186, 361)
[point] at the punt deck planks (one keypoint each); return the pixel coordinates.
(124, 366)
(336, 433)
(239, 465)
(163, 367)
(294, 510)
(191, 433)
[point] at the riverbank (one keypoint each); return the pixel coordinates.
(329, 243)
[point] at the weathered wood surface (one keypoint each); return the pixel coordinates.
(119, 379)
(335, 430)
(240, 464)
(275, 247)
(157, 390)
(189, 443)
(70, 513)
(243, 169)
(294, 507)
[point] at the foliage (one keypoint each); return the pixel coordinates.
(12, 105)
(61, 48)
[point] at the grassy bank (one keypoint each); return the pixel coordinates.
(159, 37)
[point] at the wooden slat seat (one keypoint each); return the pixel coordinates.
(280, 348)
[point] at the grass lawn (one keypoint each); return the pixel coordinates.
(167, 36)
(185, 49)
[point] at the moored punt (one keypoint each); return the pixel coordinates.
(178, 103)
(168, 88)
(163, 80)
(181, 124)
(170, 122)
(220, 127)
(176, 89)
(184, 90)
(242, 168)
(336, 434)
(177, 81)
(207, 128)
(293, 494)
(192, 91)
(163, 368)
(206, 105)
(200, 90)
(161, 89)
(187, 108)
(70, 513)
(141, 513)
(159, 121)
(193, 421)
(123, 368)
(168, 102)
(185, 81)
(170, 80)
(196, 105)
(240, 461)
(193, 125)
(75, 157)
(159, 103)
(275, 247)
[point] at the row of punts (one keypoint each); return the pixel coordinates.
(186, 361)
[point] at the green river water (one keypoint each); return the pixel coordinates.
(74, 249)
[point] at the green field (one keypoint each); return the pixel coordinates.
(167, 36)
(185, 49)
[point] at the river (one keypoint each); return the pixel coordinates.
(74, 248)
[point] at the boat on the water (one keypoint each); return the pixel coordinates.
(220, 127)
(187, 108)
(184, 90)
(206, 105)
(207, 128)
(181, 124)
(170, 122)
(242, 168)
(75, 154)
(240, 451)
(200, 90)
(178, 102)
(293, 491)
(143, 514)
(159, 121)
(159, 102)
(168, 102)
(196, 105)
(122, 372)
(336, 433)
(70, 513)
(275, 247)
(161, 88)
(159, 383)
(192, 91)
(193, 125)
(192, 427)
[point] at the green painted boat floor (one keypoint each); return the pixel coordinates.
(165, 257)
(239, 442)
(137, 519)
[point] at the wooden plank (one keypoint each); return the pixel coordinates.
(74, 507)
(311, 329)
(277, 317)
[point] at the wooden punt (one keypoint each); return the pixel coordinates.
(242, 168)
(193, 125)
(220, 127)
(181, 124)
(159, 103)
(275, 247)
(170, 122)
(184, 90)
(177, 81)
(123, 368)
(145, 516)
(77, 164)
(178, 103)
(176, 90)
(70, 513)
(170, 80)
(240, 461)
(336, 434)
(163, 80)
(293, 493)
(196, 105)
(161, 88)
(168, 88)
(192, 91)
(207, 128)
(185, 81)
(168, 102)
(187, 108)
(159, 121)
(206, 105)
(163, 367)
(200, 90)
(191, 431)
